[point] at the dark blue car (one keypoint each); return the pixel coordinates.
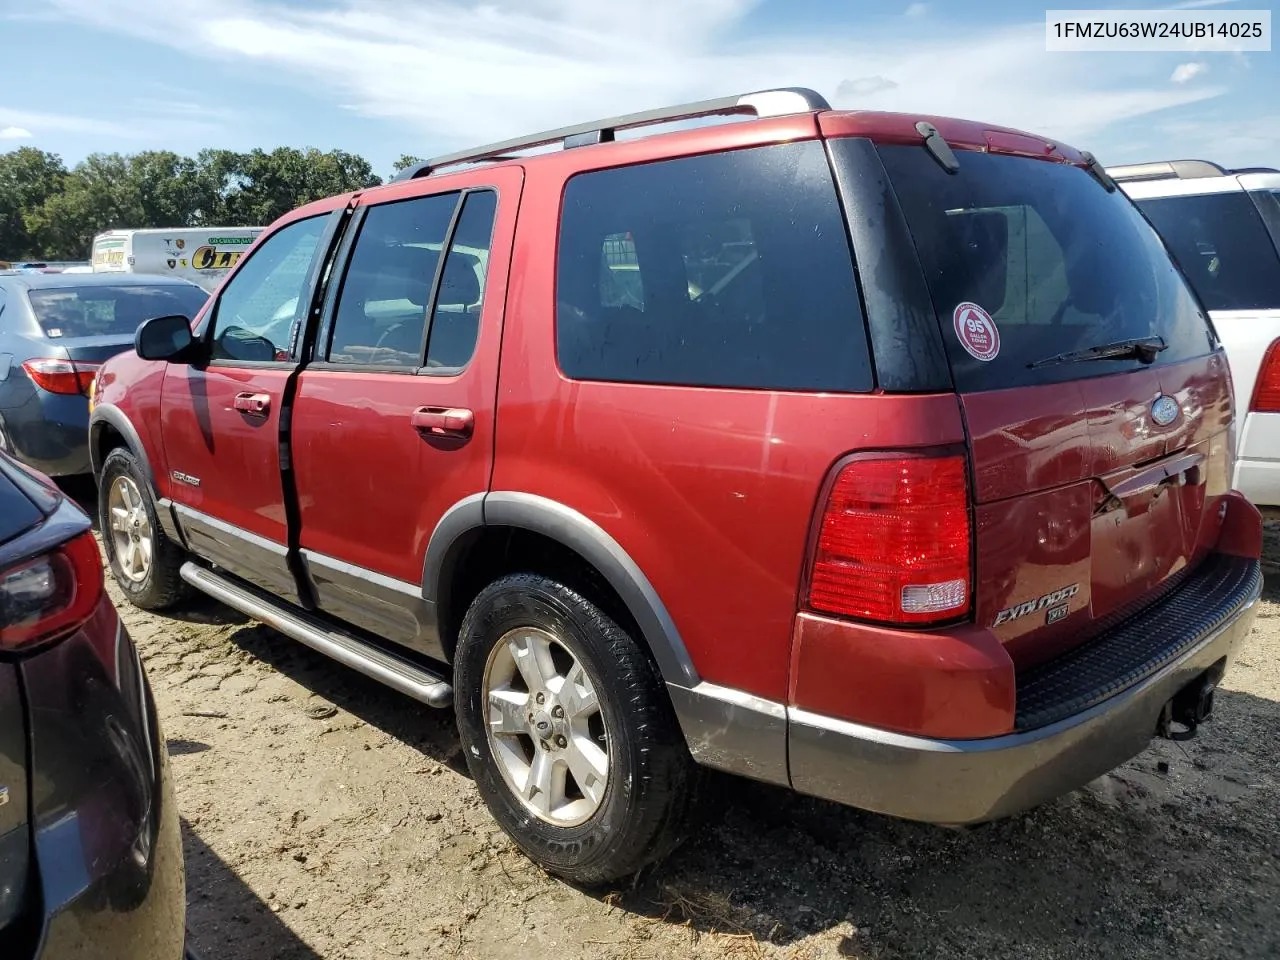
(55, 331)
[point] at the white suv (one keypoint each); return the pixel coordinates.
(1223, 228)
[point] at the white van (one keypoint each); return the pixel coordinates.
(202, 255)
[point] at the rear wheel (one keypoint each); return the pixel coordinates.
(144, 562)
(568, 732)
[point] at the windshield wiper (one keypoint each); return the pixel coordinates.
(1139, 348)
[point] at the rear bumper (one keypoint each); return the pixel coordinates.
(971, 781)
(1257, 472)
(50, 433)
(1259, 480)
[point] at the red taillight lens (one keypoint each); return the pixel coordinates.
(62, 376)
(43, 598)
(894, 542)
(1266, 389)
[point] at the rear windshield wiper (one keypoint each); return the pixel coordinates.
(1139, 348)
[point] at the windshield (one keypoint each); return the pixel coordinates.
(1221, 244)
(99, 311)
(1026, 259)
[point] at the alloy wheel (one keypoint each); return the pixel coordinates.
(130, 530)
(544, 726)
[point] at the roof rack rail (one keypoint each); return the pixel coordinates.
(1166, 170)
(762, 103)
(1239, 170)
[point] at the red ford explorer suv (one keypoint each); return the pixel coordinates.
(883, 457)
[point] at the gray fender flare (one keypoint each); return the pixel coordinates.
(586, 538)
(107, 414)
(110, 415)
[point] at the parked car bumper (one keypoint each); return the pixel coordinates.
(1257, 472)
(971, 781)
(50, 432)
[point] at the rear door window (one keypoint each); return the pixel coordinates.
(455, 318)
(1026, 259)
(381, 317)
(726, 270)
(1221, 243)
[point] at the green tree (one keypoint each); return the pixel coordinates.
(405, 161)
(28, 177)
(46, 211)
(274, 183)
(101, 193)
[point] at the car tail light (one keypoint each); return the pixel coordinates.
(1266, 390)
(62, 376)
(49, 596)
(893, 545)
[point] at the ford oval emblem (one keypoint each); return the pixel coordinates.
(1164, 410)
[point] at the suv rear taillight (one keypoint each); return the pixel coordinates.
(61, 376)
(893, 545)
(1266, 390)
(50, 596)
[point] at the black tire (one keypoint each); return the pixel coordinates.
(163, 586)
(653, 783)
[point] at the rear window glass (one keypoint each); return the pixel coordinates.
(1222, 245)
(727, 270)
(1026, 259)
(101, 311)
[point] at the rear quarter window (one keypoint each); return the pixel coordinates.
(726, 270)
(1056, 262)
(1222, 245)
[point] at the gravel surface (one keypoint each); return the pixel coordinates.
(328, 817)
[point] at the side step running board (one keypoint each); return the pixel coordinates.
(398, 673)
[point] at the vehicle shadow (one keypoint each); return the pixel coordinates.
(1172, 856)
(81, 489)
(225, 919)
(430, 731)
(1146, 862)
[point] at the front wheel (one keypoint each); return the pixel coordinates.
(143, 561)
(568, 732)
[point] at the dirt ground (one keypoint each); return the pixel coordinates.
(328, 817)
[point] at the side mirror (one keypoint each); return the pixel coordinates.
(164, 338)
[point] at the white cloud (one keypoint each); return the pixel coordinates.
(1184, 72)
(917, 10)
(15, 133)
(60, 123)
(1235, 142)
(148, 123)
(466, 71)
(863, 87)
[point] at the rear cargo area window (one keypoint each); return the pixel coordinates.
(728, 270)
(1222, 245)
(1026, 259)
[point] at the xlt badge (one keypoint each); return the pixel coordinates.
(1055, 603)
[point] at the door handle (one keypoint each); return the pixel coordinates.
(253, 404)
(444, 422)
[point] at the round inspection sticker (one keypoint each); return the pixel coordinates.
(977, 331)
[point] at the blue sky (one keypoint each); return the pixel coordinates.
(385, 77)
